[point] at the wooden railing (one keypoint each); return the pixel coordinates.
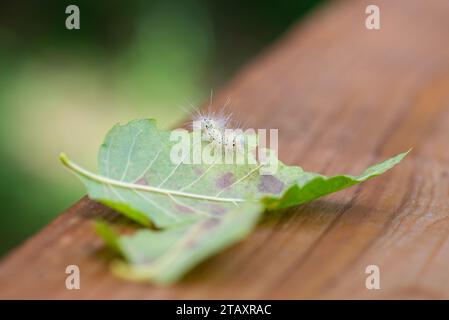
(343, 97)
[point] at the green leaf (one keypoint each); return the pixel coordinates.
(310, 186)
(165, 256)
(137, 178)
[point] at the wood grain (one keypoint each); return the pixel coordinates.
(343, 97)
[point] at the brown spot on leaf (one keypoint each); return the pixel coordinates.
(225, 180)
(183, 209)
(270, 184)
(191, 244)
(217, 210)
(198, 171)
(211, 223)
(142, 181)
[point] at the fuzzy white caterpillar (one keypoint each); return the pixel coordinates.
(238, 147)
(215, 129)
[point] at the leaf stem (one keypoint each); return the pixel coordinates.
(83, 172)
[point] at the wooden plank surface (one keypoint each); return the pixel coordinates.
(343, 97)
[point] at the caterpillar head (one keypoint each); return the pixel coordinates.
(212, 123)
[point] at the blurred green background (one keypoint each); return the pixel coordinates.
(61, 90)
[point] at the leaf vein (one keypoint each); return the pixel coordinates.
(128, 161)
